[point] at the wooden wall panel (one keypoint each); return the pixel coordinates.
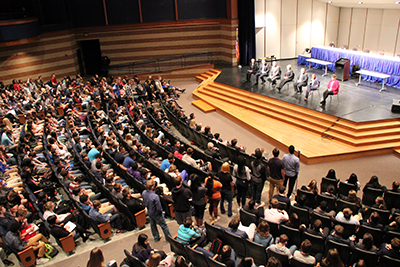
(53, 53)
(126, 44)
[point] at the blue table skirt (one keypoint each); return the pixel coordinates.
(372, 62)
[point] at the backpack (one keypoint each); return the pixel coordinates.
(126, 222)
(50, 251)
(216, 246)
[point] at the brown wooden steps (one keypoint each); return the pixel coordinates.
(314, 148)
(363, 126)
(203, 106)
(317, 129)
(306, 120)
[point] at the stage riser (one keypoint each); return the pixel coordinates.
(356, 127)
(348, 140)
(304, 158)
(384, 137)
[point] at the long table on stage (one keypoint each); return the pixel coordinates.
(378, 63)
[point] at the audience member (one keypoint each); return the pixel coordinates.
(214, 196)
(281, 248)
(154, 210)
(262, 235)
(226, 189)
(281, 196)
(303, 255)
(198, 201)
(276, 172)
(273, 214)
(242, 174)
(181, 196)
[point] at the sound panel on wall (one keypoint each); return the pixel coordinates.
(158, 10)
(201, 9)
(122, 12)
(87, 13)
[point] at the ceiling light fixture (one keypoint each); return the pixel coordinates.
(329, 2)
(396, 2)
(360, 2)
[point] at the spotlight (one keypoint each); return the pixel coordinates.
(360, 2)
(329, 2)
(396, 2)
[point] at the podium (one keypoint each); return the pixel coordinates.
(342, 69)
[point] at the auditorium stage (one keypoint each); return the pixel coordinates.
(359, 125)
(358, 104)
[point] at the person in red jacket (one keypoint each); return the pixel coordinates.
(332, 89)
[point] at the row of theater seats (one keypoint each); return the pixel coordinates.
(202, 140)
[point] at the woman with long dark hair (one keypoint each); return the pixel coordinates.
(332, 259)
(198, 198)
(242, 174)
(142, 249)
(214, 196)
(96, 258)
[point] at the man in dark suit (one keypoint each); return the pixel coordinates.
(252, 70)
(262, 71)
(302, 81)
(312, 86)
(289, 76)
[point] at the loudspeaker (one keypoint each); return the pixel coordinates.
(396, 106)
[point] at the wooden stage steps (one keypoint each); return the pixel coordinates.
(203, 106)
(319, 136)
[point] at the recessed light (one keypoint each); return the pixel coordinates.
(396, 2)
(329, 2)
(360, 2)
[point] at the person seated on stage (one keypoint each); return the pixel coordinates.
(262, 71)
(252, 70)
(312, 85)
(332, 89)
(289, 76)
(274, 74)
(301, 81)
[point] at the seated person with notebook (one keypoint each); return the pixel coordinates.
(60, 231)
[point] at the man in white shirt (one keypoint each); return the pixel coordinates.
(347, 217)
(273, 214)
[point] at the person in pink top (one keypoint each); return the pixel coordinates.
(333, 89)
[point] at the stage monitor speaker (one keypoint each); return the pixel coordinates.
(396, 106)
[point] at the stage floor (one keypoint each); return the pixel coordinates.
(358, 104)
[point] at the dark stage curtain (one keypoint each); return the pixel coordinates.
(247, 31)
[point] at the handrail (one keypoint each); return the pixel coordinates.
(164, 63)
